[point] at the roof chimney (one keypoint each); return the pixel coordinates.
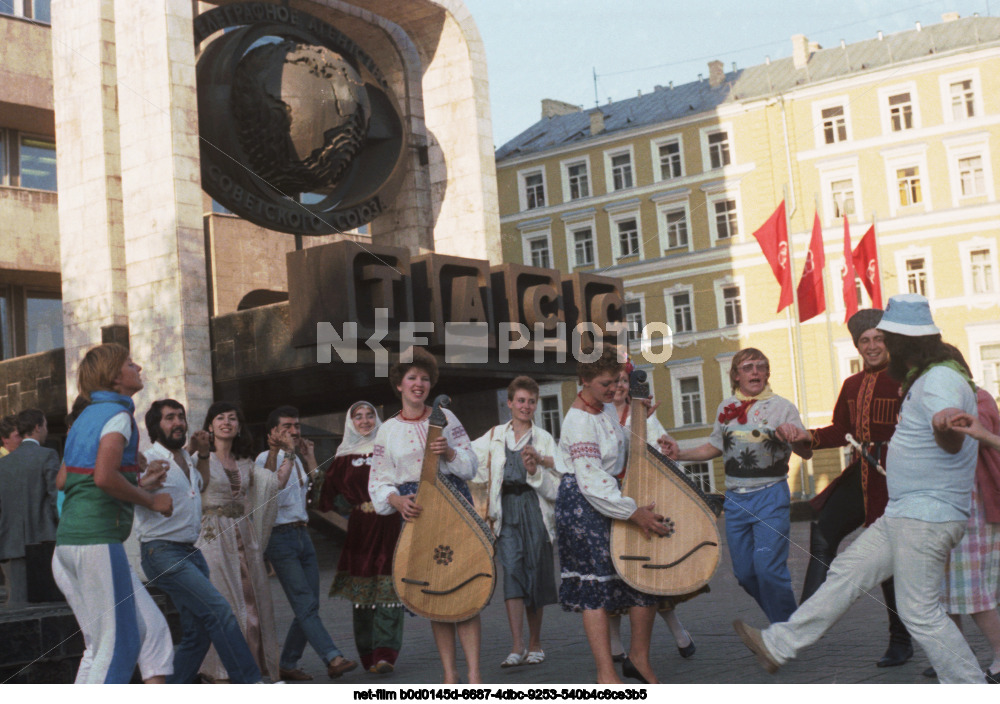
(596, 121)
(716, 74)
(551, 108)
(919, 27)
(800, 50)
(880, 35)
(950, 16)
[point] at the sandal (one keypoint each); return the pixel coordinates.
(514, 659)
(535, 657)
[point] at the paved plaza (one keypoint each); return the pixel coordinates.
(846, 654)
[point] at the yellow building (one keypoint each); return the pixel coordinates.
(666, 189)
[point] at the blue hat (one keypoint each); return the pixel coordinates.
(908, 314)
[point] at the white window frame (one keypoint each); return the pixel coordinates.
(947, 80)
(684, 369)
(819, 132)
(706, 158)
(965, 250)
(979, 336)
(614, 219)
(720, 303)
(669, 307)
(914, 252)
(522, 188)
(711, 198)
(846, 353)
(694, 476)
(531, 235)
(839, 170)
(834, 266)
(632, 297)
(725, 361)
(886, 110)
(571, 229)
(965, 147)
(655, 145)
(564, 173)
(914, 155)
(19, 9)
(669, 202)
(554, 389)
(609, 178)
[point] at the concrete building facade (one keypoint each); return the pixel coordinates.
(665, 190)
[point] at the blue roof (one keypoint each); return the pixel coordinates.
(760, 81)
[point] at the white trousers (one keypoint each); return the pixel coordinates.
(915, 553)
(121, 624)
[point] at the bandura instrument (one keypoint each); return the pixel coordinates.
(683, 560)
(443, 566)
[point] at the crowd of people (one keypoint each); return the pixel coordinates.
(211, 517)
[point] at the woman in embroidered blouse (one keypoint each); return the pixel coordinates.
(517, 460)
(232, 539)
(654, 429)
(756, 454)
(398, 458)
(364, 571)
(591, 454)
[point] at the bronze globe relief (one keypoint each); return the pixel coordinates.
(289, 106)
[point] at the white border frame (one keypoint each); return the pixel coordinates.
(654, 152)
(945, 81)
(571, 228)
(902, 158)
(913, 252)
(964, 147)
(564, 176)
(885, 93)
(528, 237)
(720, 308)
(616, 246)
(522, 195)
(965, 249)
(818, 106)
(668, 307)
(706, 159)
(682, 370)
(609, 179)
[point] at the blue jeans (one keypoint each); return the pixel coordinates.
(290, 551)
(757, 525)
(206, 617)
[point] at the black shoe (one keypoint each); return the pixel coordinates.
(896, 654)
(629, 670)
(992, 677)
(618, 658)
(929, 673)
(688, 650)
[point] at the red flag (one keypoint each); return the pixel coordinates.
(866, 264)
(812, 297)
(773, 239)
(847, 276)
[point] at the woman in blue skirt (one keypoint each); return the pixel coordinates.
(591, 452)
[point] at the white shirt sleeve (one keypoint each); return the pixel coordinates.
(465, 463)
(481, 446)
(381, 480)
(120, 423)
(582, 451)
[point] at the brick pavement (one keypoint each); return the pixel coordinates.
(846, 654)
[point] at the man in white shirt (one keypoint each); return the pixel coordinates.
(290, 550)
(172, 562)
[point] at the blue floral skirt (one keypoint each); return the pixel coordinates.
(589, 580)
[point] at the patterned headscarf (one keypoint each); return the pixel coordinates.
(354, 443)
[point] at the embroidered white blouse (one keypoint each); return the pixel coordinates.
(593, 448)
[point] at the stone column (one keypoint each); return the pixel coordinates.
(92, 248)
(161, 188)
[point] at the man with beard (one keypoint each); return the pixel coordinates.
(866, 409)
(170, 559)
(930, 470)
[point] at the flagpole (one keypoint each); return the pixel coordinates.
(834, 370)
(881, 262)
(798, 364)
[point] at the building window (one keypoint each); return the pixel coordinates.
(726, 222)
(621, 171)
(981, 264)
(30, 321)
(683, 313)
(670, 160)
(916, 276)
(539, 249)
(690, 392)
(963, 99)
(900, 112)
(579, 182)
(38, 163)
(908, 185)
(834, 124)
(633, 318)
(842, 193)
(551, 415)
(628, 237)
(855, 365)
(718, 149)
(701, 473)
(971, 178)
(989, 355)
(534, 190)
(39, 10)
(583, 247)
(677, 228)
(732, 305)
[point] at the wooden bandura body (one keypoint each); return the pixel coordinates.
(443, 566)
(684, 560)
